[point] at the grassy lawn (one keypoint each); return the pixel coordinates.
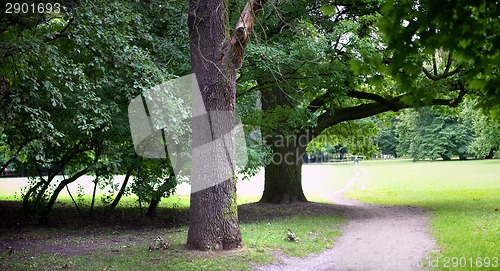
(462, 196)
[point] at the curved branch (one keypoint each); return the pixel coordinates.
(370, 96)
(317, 103)
(320, 101)
(395, 104)
(446, 72)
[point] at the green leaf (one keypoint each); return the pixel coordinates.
(356, 66)
(328, 10)
(478, 83)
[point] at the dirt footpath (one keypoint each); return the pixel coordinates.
(377, 237)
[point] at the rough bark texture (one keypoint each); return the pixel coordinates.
(215, 59)
(283, 176)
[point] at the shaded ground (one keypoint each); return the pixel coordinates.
(68, 234)
(377, 237)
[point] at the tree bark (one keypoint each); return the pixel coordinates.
(215, 60)
(283, 176)
(153, 206)
(122, 188)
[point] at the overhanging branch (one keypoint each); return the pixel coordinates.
(370, 96)
(395, 104)
(320, 101)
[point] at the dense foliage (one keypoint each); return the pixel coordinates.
(67, 80)
(469, 30)
(432, 133)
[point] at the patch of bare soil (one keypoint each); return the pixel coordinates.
(377, 237)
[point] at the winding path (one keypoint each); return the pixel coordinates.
(377, 237)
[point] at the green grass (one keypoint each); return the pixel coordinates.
(463, 198)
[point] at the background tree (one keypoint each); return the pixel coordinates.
(386, 139)
(318, 65)
(486, 131)
(428, 133)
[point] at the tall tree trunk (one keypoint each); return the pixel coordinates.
(215, 59)
(283, 176)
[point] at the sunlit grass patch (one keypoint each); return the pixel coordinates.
(316, 233)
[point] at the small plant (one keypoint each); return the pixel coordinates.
(80, 195)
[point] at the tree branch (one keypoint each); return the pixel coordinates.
(444, 75)
(395, 104)
(446, 72)
(241, 33)
(448, 63)
(370, 96)
(317, 103)
(434, 65)
(61, 33)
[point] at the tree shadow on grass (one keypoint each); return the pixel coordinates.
(257, 212)
(66, 217)
(69, 234)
